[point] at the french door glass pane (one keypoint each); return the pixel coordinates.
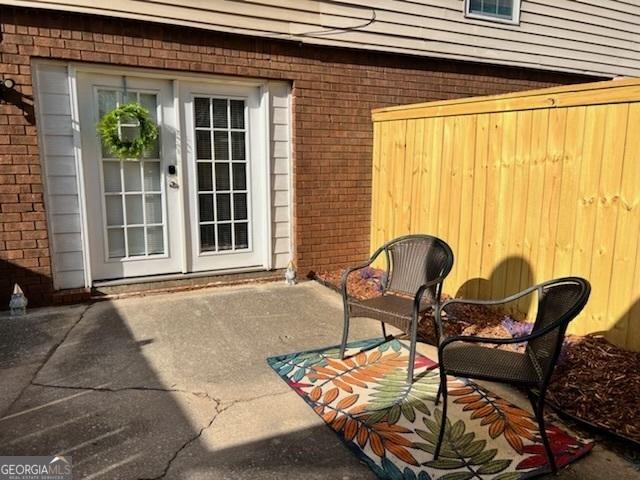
(203, 145)
(222, 176)
(221, 156)
(132, 182)
(205, 177)
(116, 243)
(112, 177)
(208, 238)
(135, 241)
(134, 205)
(114, 210)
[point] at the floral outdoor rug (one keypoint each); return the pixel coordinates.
(394, 428)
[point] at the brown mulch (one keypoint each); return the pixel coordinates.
(600, 383)
(594, 381)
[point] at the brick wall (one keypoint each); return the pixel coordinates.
(334, 91)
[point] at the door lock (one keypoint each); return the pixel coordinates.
(174, 184)
(172, 170)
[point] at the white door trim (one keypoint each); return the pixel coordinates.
(82, 198)
(168, 75)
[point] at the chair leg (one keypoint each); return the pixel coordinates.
(345, 333)
(539, 412)
(439, 393)
(443, 424)
(412, 350)
(384, 330)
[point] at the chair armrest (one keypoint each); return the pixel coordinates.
(508, 299)
(500, 341)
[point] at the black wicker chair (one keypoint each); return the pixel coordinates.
(559, 302)
(416, 267)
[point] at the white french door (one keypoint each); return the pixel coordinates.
(225, 153)
(133, 225)
(197, 200)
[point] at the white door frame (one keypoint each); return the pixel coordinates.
(176, 78)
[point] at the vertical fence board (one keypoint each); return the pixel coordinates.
(524, 188)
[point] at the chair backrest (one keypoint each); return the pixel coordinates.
(414, 260)
(559, 300)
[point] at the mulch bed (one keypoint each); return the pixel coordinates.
(595, 381)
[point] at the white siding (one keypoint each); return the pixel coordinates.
(584, 36)
(61, 183)
(279, 100)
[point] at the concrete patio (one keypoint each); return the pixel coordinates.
(176, 386)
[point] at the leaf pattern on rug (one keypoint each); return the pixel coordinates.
(394, 398)
(354, 424)
(357, 370)
(502, 417)
(393, 427)
(460, 450)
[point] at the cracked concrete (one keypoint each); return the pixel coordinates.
(177, 387)
(172, 386)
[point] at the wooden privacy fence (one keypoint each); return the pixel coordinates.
(524, 187)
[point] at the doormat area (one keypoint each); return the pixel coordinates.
(393, 428)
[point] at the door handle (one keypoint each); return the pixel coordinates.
(174, 184)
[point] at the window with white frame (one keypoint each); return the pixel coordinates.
(496, 10)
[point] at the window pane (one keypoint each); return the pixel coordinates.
(222, 176)
(116, 242)
(224, 206)
(152, 176)
(240, 206)
(133, 205)
(114, 210)
(202, 112)
(221, 145)
(132, 182)
(224, 236)
(207, 237)
(242, 236)
(239, 176)
(492, 8)
(237, 145)
(205, 177)
(154, 150)
(155, 240)
(129, 97)
(219, 113)
(153, 208)
(107, 101)
(206, 207)
(148, 101)
(203, 145)
(111, 176)
(237, 114)
(135, 241)
(505, 8)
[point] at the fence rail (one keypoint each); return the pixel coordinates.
(524, 187)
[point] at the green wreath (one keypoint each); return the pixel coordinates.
(109, 131)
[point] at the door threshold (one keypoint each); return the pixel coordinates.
(125, 287)
(173, 276)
